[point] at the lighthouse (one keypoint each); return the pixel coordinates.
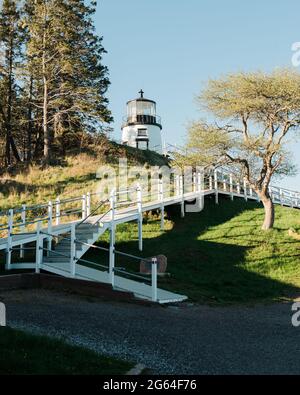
(142, 126)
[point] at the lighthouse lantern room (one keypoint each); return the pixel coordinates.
(142, 126)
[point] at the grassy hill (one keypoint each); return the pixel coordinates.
(72, 175)
(217, 256)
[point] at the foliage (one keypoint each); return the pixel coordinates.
(258, 112)
(53, 77)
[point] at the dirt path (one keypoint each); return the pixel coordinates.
(186, 339)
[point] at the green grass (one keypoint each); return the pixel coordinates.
(220, 255)
(24, 353)
(73, 175)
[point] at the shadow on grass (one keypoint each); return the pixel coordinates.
(205, 270)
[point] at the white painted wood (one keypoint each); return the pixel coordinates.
(50, 225)
(245, 190)
(216, 186)
(23, 266)
(182, 196)
(224, 183)
(154, 279)
(88, 204)
(162, 206)
(84, 207)
(281, 196)
(194, 186)
(57, 211)
(144, 291)
(112, 255)
(23, 228)
(231, 186)
(39, 245)
(73, 251)
(9, 240)
(2, 314)
(210, 183)
(201, 186)
(112, 239)
(140, 216)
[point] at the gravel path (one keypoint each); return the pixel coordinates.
(184, 340)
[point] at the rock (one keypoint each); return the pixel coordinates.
(162, 263)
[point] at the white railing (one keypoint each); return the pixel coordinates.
(59, 215)
(22, 219)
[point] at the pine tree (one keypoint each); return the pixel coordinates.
(65, 57)
(10, 40)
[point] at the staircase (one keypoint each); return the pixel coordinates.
(85, 233)
(58, 261)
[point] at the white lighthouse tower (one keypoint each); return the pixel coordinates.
(142, 127)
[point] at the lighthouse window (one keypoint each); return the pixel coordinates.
(145, 108)
(142, 132)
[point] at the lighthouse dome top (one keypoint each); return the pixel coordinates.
(141, 98)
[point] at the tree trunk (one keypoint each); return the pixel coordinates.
(9, 138)
(269, 212)
(47, 145)
(29, 120)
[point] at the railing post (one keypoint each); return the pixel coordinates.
(23, 228)
(140, 215)
(112, 240)
(199, 182)
(39, 248)
(258, 198)
(238, 187)
(182, 196)
(245, 190)
(216, 186)
(84, 205)
(201, 187)
(73, 251)
(210, 183)
(177, 181)
(2, 314)
(281, 196)
(194, 182)
(162, 206)
(50, 224)
(224, 183)
(88, 204)
(251, 192)
(154, 279)
(231, 186)
(57, 211)
(9, 240)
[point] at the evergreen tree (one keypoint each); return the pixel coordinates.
(11, 41)
(65, 57)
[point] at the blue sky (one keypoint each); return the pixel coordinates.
(170, 48)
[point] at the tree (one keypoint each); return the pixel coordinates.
(65, 57)
(11, 42)
(258, 112)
